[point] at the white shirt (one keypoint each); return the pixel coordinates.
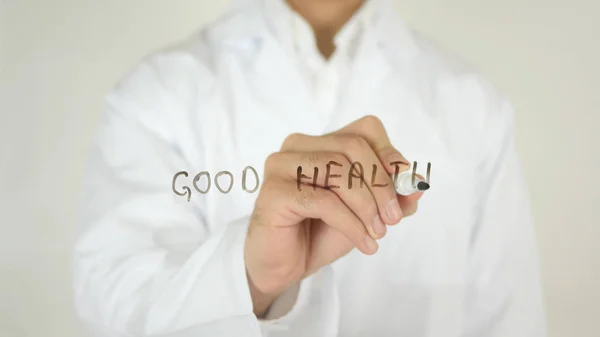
(149, 263)
(324, 77)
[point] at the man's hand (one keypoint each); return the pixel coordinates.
(297, 229)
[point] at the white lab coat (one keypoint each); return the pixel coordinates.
(149, 263)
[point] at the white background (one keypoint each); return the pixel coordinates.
(59, 58)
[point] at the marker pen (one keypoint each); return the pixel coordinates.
(408, 182)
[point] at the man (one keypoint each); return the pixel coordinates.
(287, 87)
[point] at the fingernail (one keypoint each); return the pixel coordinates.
(378, 226)
(393, 211)
(371, 244)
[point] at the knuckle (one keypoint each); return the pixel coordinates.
(353, 143)
(372, 122)
(372, 210)
(313, 159)
(291, 139)
(271, 161)
(391, 154)
(338, 158)
(366, 209)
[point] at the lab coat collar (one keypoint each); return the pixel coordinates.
(247, 31)
(294, 33)
(245, 35)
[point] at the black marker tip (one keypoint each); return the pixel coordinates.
(422, 186)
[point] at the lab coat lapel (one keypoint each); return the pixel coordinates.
(270, 72)
(267, 99)
(380, 54)
(368, 74)
(279, 82)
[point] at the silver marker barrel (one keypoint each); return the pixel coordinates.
(406, 186)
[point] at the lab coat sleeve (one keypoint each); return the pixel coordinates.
(147, 262)
(504, 295)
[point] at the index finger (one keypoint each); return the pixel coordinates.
(371, 129)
